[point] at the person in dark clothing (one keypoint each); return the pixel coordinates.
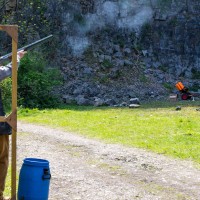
(5, 129)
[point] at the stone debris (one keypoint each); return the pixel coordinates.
(178, 108)
(134, 106)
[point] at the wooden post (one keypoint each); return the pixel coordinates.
(12, 30)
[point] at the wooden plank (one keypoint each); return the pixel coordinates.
(2, 119)
(14, 110)
(11, 30)
(11, 120)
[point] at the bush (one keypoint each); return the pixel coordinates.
(36, 82)
(195, 74)
(106, 63)
(168, 86)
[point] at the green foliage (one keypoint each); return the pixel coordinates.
(31, 18)
(164, 4)
(195, 74)
(34, 22)
(119, 39)
(89, 56)
(106, 63)
(104, 79)
(146, 31)
(147, 28)
(168, 86)
(36, 82)
(195, 87)
(7, 191)
(173, 21)
(143, 78)
(6, 86)
(79, 19)
(163, 68)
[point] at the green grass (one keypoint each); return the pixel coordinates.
(157, 127)
(7, 191)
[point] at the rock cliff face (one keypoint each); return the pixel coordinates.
(173, 42)
(8, 5)
(112, 50)
(116, 50)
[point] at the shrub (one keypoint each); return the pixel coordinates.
(195, 74)
(168, 86)
(106, 63)
(79, 19)
(195, 87)
(36, 82)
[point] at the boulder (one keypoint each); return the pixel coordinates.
(98, 102)
(134, 101)
(68, 99)
(82, 101)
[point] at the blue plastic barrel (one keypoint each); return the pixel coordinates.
(34, 180)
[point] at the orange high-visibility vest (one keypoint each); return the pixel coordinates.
(179, 86)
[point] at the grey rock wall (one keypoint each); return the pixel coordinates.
(124, 49)
(174, 40)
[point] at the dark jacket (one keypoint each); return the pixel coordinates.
(5, 128)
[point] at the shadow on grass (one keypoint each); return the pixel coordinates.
(145, 105)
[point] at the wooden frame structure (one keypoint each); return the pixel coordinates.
(12, 31)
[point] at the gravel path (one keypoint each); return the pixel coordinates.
(88, 169)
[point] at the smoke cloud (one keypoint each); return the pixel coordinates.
(127, 14)
(78, 44)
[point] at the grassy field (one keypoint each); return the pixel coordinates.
(157, 126)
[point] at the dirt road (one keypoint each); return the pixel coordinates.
(85, 169)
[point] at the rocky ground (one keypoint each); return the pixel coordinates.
(88, 169)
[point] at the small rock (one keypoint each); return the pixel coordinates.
(127, 62)
(127, 51)
(134, 106)
(109, 58)
(134, 101)
(81, 100)
(98, 101)
(178, 108)
(118, 55)
(87, 70)
(123, 104)
(145, 52)
(110, 102)
(116, 48)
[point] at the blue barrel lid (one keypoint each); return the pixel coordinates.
(36, 162)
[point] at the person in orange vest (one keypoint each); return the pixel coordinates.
(5, 129)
